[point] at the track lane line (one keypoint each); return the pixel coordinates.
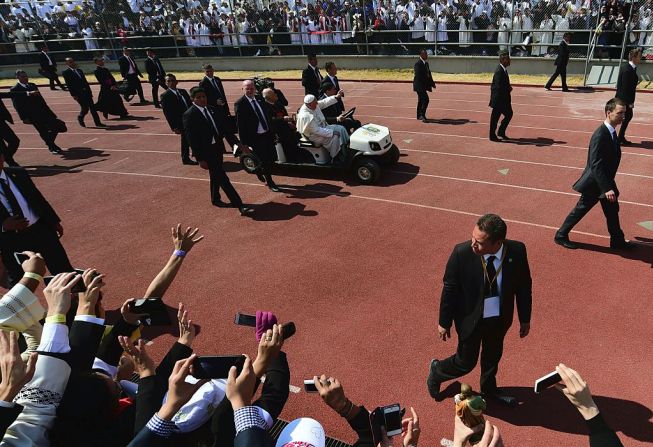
(376, 199)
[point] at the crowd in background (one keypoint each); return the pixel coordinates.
(479, 27)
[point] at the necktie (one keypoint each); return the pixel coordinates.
(131, 62)
(317, 74)
(181, 98)
(216, 134)
(79, 73)
(215, 86)
(491, 286)
(15, 210)
(615, 140)
(335, 83)
(261, 120)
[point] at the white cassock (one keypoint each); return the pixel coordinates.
(313, 125)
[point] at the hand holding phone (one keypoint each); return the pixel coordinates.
(546, 381)
(217, 367)
(309, 386)
(154, 310)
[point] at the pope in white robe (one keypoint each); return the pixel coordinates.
(313, 125)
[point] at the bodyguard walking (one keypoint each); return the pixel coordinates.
(422, 83)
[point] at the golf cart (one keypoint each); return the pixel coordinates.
(370, 149)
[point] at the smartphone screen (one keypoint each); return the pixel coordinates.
(217, 367)
(392, 417)
(245, 320)
(547, 381)
(309, 386)
(79, 287)
(20, 257)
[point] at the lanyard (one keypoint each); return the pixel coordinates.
(487, 277)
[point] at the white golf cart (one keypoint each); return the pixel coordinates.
(370, 149)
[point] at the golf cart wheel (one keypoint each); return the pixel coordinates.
(392, 156)
(250, 163)
(367, 171)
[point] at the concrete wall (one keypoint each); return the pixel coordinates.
(441, 64)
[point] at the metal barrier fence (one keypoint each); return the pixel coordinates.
(101, 28)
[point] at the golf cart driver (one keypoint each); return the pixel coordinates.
(312, 124)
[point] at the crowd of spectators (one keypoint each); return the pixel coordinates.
(529, 27)
(85, 377)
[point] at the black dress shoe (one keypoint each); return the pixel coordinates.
(100, 125)
(260, 178)
(421, 118)
(105, 115)
(81, 122)
(547, 88)
(54, 149)
(494, 138)
(189, 162)
(244, 210)
(220, 204)
(432, 384)
(565, 89)
(504, 136)
(273, 187)
(625, 142)
(565, 242)
(158, 106)
(502, 399)
(425, 120)
(622, 245)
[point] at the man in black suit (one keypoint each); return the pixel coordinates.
(561, 63)
(422, 83)
(32, 109)
(175, 102)
(205, 128)
(482, 281)
(334, 114)
(626, 89)
(81, 92)
(253, 120)
(156, 75)
(29, 223)
(216, 95)
(311, 77)
(9, 141)
(49, 68)
(500, 100)
(597, 183)
(130, 73)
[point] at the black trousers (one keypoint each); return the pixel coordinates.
(155, 91)
(584, 205)
(52, 76)
(494, 119)
(273, 398)
(8, 141)
(86, 103)
(46, 132)
(39, 238)
(422, 104)
(134, 86)
(561, 70)
(624, 125)
(489, 335)
(263, 148)
(218, 179)
(185, 148)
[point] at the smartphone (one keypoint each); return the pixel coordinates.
(388, 417)
(20, 257)
(547, 381)
(392, 418)
(309, 386)
(79, 287)
(217, 367)
(245, 319)
(154, 309)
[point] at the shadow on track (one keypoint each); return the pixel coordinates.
(539, 141)
(553, 411)
(450, 121)
(643, 145)
(642, 252)
(73, 153)
(274, 211)
(315, 191)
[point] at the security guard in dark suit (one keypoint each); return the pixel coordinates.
(626, 89)
(422, 83)
(80, 90)
(500, 99)
(561, 64)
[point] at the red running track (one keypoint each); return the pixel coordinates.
(359, 268)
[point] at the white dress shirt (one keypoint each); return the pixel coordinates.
(28, 212)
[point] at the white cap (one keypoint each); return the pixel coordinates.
(302, 432)
(309, 99)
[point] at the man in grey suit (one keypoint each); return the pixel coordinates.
(597, 183)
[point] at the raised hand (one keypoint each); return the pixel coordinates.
(186, 327)
(15, 372)
(143, 363)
